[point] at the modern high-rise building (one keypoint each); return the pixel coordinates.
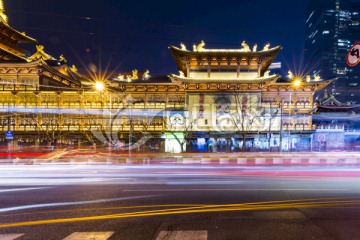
(329, 34)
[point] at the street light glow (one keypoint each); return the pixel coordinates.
(297, 82)
(99, 86)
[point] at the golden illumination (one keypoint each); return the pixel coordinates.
(62, 58)
(2, 11)
(121, 77)
(290, 75)
(245, 47)
(266, 47)
(201, 46)
(297, 82)
(73, 68)
(146, 74)
(255, 48)
(41, 54)
(267, 73)
(99, 86)
(134, 74)
(183, 47)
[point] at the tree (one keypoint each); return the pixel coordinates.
(246, 114)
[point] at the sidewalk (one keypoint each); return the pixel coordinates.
(62, 156)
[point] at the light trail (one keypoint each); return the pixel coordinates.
(234, 189)
(71, 203)
(21, 189)
(272, 205)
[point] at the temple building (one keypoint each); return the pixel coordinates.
(221, 100)
(337, 125)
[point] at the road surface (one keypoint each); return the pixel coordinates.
(80, 202)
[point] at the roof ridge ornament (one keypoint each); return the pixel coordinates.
(255, 48)
(183, 47)
(245, 47)
(201, 46)
(40, 54)
(266, 47)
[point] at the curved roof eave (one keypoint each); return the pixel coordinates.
(22, 37)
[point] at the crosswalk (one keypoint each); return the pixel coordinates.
(10, 236)
(163, 235)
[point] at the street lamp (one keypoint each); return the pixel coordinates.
(100, 87)
(297, 82)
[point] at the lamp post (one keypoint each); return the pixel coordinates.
(130, 129)
(295, 84)
(281, 105)
(271, 115)
(100, 87)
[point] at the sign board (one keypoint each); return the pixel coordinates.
(353, 56)
(9, 135)
(275, 65)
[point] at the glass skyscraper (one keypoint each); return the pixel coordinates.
(329, 34)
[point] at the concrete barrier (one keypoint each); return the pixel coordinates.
(205, 161)
(278, 161)
(314, 161)
(224, 160)
(260, 161)
(297, 161)
(188, 161)
(242, 161)
(332, 161)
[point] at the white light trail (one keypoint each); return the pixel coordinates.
(44, 205)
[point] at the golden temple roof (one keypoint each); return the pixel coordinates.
(224, 57)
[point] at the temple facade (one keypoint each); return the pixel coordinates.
(337, 125)
(221, 100)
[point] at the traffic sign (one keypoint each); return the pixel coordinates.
(353, 56)
(9, 135)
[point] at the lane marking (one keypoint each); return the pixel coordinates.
(106, 209)
(71, 203)
(21, 189)
(181, 235)
(89, 236)
(10, 236)
(256, 206)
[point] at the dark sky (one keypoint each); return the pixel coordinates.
(130, 34)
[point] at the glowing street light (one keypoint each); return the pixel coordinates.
(297, 82)
(99, 86)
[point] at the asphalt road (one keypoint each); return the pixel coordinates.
(54, 202)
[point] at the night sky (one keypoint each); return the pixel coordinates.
(129, 34)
